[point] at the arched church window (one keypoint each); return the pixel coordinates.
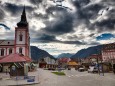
(20, 37)
(10, 51)
(2, 52)
(20, 50)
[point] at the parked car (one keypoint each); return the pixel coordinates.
(69, 68)
(51, 68)
(93, 69)
(81, 69)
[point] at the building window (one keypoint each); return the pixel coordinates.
(10, 51)
(20, 37)
(2, 52)
(20, 50)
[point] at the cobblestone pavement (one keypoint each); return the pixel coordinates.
(74, 78)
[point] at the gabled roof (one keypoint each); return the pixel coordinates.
(72, 63)
(13, 58)
(6, 42)
(64, 59)
(27, 58)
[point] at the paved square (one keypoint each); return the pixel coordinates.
(75, 78)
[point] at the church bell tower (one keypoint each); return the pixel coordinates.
(22, 38)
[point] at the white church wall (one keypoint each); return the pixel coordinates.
(9, 49)
(23, 50)
(4, 52)
(23, 39)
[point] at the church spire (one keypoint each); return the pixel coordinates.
(23, 21)
(23, 16)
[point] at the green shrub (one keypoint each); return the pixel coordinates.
(59, 73)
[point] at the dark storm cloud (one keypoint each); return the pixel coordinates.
(49, 12)
(44, 38)
(55, 9)
(51, 38)
(47, 38)
(2, 14)
(84, 14)
(35, 1)
(73, 42)
(91, 35)
(61, 27)
(16, 9)
(41, 16)
(80, 3)
(91, 11)
(62, 24)
(108, 24)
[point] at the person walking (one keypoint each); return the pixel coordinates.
(6, 71)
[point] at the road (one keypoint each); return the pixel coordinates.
(74, 78)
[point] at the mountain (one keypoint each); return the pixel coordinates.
(68, 55)
(37, 53)
(87, 52)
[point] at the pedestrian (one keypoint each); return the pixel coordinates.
(6, 71)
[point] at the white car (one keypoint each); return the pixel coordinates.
(92, 69)
(81, 69)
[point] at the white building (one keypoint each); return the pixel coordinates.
(108, 52)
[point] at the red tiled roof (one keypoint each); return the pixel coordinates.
(27, 58)
(13, 58)
(64, 59)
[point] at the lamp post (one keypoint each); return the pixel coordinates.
(98, 61)
(102, 65)
(100, 57)
(98, 65)
(101, 62)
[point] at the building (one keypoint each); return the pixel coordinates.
(95, 58)
(12, 51)
(108, 53)
(48, 62)
(21, 42)
(62, 62)
(72, 64)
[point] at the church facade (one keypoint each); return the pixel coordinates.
(21, 42)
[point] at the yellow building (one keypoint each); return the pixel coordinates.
(72, 64)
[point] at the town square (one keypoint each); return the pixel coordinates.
(57, 43)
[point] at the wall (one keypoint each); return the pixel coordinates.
(17, 37)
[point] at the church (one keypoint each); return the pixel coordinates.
(21, 42)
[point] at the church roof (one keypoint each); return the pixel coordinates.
(13, 58)
(6, 42)
(27, 58)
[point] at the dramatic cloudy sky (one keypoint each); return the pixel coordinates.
(61, 26)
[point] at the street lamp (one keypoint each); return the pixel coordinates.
(98, 65)
(102, 65)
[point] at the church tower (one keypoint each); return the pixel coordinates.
(22, 38)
